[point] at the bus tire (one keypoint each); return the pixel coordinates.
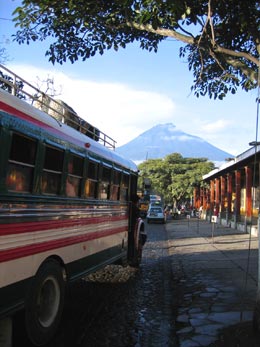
(138, 244)
(137, 256)
(45, 303)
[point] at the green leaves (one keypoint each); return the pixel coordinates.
(221, 50)
(174, 177)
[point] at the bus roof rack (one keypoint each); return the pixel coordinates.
(57, 109)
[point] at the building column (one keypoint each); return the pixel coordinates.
(207, 199)
(212, 196)
(196, 197)
(204, 199)
(248, 171)
(222, 194)
(217, 197)
(238, 194)
(229, 192)
(201, 196)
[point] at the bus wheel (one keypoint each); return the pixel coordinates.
(138, 245)
(45, 302)
(137, 256)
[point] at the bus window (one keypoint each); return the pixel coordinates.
(75, 169)
(92, 180)
(124, 187)
(52, 169)
(104, 189)
(21, 164)
(115, 191)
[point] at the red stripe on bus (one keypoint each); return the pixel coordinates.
(24, 227)
(13, 111)
(23, 251)
(9, 109)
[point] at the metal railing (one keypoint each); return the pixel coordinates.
(57, 109)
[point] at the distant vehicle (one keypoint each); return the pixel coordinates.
(156, 214)
(154, 198)
(155, 203)
(143, 207)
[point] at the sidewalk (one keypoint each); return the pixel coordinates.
(216, 269)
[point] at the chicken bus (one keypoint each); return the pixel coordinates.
(65, 207)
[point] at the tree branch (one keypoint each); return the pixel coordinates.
(226, 51)
(162, 32)
(191, 41)
(250, 73)
(204, 30)
(211, 23)
(185, 31)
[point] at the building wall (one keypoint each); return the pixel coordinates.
(233, 194)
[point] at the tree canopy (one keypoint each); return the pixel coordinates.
(221, 40)
(175, 177)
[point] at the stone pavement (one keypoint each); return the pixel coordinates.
(216, 269)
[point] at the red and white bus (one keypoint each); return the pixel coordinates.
(65, 208)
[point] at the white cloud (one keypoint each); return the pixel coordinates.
(116, 109)
(124, 112)
(218, 125)
(178, 137)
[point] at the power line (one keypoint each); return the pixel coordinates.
(1, 18)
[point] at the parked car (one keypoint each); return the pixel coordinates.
(156, 214)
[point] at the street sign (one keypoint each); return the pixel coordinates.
(213, 219)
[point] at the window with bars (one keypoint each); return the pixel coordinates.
(21, 164)
(52, 171)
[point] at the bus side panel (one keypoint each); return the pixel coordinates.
(85, 266)
(70, 235)
(12, 296)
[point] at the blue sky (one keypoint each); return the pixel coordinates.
(127, 92)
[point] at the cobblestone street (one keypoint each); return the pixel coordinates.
(121, 307)
(215, 270)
